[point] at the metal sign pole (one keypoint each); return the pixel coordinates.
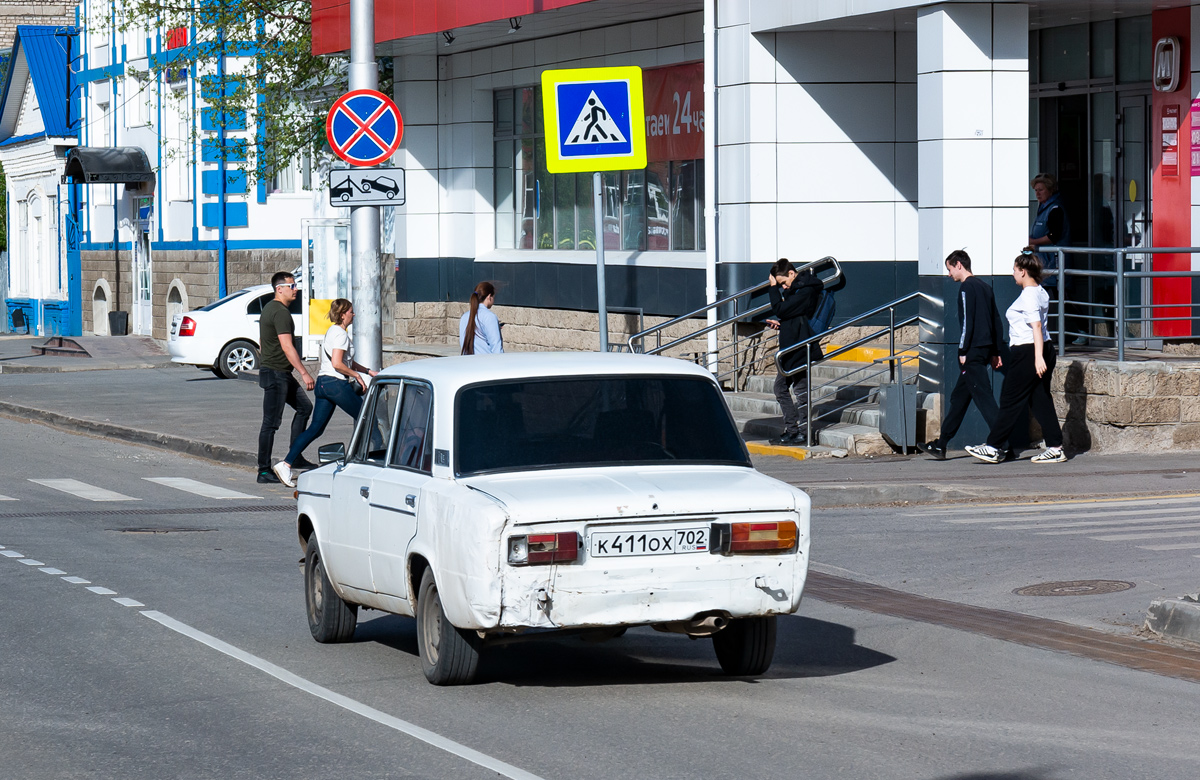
(602, 304)
(364, 220)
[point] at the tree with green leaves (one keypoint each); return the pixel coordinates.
(273, 93)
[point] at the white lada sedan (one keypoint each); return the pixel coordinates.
(495, 495)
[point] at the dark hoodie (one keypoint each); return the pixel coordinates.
(793, 306)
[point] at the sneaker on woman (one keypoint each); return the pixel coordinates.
(1050, 455)
(284, 472)
(986, 453)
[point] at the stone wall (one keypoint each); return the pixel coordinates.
(1128, 407)
(15, 12)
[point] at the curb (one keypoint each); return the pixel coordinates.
(163, 441)
(799, 453)
(1177, 618)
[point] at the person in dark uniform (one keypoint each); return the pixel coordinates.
(793, 300)
(978, 347)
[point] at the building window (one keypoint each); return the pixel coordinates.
(101, 133)
(656, 209)
(179, 167)
(296, 176)
(137, 102)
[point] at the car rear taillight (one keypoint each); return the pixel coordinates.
(730, 538)
(537, 549)
(187, 327)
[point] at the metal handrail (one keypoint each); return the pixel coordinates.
(749, 291)
(1119, 276)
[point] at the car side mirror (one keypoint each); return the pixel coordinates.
(331, 453)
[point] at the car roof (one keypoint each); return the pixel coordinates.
(448, 374)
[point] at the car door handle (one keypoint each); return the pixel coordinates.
(365, 492)
(411, 500)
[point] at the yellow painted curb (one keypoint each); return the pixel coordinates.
(799, 453)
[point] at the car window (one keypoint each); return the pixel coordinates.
(414, 444)
(574, 422)
(256, 305)
(374, 431)
(223, 301)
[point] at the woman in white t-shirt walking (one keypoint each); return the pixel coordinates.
(1030, 366)
(339, 384)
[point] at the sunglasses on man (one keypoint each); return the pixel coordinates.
(290, 286)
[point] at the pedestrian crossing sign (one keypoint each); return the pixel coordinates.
(595, 119)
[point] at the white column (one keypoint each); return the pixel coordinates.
(972, 133)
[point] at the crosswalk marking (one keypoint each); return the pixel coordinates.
(1042, 506)
(1097, 524)
(83, 490)
(7, 498)
(1077, 531)
(1137, 537)
(1076, 512)
(1164, 547)
(199, 488)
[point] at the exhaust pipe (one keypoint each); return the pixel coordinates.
(699, 626)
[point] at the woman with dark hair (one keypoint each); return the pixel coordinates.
(479, 329)
(339, 384)
(1030, 365)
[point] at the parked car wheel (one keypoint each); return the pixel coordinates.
(746, 646)
(330, 619)
(236, 357)
(449, 655)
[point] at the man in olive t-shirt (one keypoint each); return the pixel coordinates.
(277, 358)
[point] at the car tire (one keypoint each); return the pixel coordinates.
(746, 646)
(237, 356)
(449, 655)
(330, 619)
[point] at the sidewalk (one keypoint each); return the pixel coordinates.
(191, 411)
(16, 357)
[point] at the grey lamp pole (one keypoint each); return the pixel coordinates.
(364, 220)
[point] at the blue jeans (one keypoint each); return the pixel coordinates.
(330, 393)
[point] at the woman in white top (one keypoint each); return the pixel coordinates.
(1030, 366)
(479, 329)
(339, 384)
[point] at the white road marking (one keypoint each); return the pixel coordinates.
(77, 580)
(1136, 537)
(52, 570)
(199, 488)
(1031, 517)
(1162, 547)
(1117, 530)
(99, 591)
(128, 602)
(11, 554)
(31, 562)
(1124, 519)
(83, 490)
(6, 498)
(1042, 506)
(345, 702)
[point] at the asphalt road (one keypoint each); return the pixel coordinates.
(212, 672)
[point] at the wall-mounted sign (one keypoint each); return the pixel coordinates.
(1196, 137)
(1170, 141)
(1166, 64)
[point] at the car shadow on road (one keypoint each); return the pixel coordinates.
(1021, 774)
(805, 647)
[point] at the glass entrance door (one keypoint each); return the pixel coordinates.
(1133, 196)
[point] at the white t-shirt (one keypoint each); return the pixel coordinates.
(1032, 305)
(336, 338)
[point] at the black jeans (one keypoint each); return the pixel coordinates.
(974, 384)
(279, 388)
(1023, 387)
(784, 387)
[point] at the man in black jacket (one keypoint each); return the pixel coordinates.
(978, 347)
(793, 300)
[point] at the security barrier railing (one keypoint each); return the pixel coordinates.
(1132, 312)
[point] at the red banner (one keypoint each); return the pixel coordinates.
(674, 112)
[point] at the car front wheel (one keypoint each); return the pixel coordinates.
(329, 618)
(746, 646)
(238, 356)
(449, 655)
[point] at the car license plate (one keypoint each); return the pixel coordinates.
(612, 544)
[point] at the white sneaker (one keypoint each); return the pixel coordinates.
(284, 472)
(986, 453)
(1050, 455)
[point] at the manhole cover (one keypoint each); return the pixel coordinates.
(161, 530)
(1074, 588)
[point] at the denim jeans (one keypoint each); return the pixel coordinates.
(279, 388)
(331, 392)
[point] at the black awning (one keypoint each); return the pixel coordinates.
(102, 165)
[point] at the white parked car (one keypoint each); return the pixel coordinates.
(494, 495)
(223, 336)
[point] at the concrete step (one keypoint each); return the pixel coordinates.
(60, 346)
(834, 371)
(852, 439)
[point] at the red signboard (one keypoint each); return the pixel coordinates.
(674, 112)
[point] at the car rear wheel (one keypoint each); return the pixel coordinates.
(746, 646)
(449, 655)
(330, 619)
(238, 356)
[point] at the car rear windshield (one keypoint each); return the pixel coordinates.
(224, 300)
(594, 421)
